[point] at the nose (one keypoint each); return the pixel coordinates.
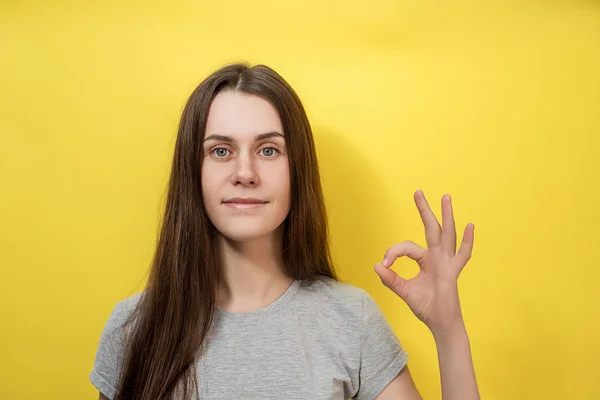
(245, 173)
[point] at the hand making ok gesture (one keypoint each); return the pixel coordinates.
(433, 294)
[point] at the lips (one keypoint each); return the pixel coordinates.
(244, 204)
(244, 200)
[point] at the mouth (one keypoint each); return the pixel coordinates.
(244, 203)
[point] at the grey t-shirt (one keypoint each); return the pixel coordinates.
(320, 340)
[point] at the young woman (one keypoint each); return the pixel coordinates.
(242, 301)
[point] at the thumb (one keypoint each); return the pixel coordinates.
(392, 280)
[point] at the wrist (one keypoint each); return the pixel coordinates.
(450, 332)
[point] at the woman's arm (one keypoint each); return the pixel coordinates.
(456, 365)
(433, 297)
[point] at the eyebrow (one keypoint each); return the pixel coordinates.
(260, 137)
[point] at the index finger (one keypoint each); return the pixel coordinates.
(433, 230)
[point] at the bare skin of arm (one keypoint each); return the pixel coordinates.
(432, 295)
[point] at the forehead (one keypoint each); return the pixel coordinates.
(239, 114)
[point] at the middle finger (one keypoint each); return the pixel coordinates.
(448, 227)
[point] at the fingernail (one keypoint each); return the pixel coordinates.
(385, 261)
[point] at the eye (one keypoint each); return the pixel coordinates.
(220, 152)
(269, 151)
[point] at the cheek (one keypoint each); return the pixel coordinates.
(209, 184)
(283, 185)
(210, 196)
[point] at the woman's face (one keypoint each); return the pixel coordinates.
(245, 172)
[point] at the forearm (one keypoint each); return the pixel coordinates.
(456, 364)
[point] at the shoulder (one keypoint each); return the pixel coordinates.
(109, 354)
(335, 297)
(116, 325)
(121, 313)
(324, 285)
(353, 328)
(345, 304)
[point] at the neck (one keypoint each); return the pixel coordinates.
(253, 274)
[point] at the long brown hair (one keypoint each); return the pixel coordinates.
(175, 312)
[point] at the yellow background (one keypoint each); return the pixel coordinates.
(495, 102)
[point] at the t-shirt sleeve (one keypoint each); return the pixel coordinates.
(382, 356)
(109, 354)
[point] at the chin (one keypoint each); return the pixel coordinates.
(242, 233)
(243, 236)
